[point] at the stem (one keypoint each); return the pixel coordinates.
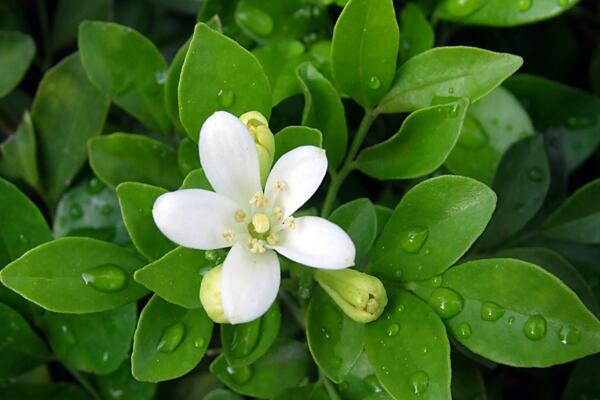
(331, 392)
(83, 382)
(337, 178)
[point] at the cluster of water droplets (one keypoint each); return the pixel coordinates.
(463, 8)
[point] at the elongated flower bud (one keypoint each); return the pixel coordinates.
(210, 295)
(362, 297)
(258, 126)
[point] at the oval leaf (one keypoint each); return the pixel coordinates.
(359, 220)
(17, 51)
(295, 136)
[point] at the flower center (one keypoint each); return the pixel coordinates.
(261, 223)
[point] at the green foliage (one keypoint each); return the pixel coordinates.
(17, 52)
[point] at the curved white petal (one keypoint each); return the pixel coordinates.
(317, 242)
(295, 177)
(249, 283)
(196, 218)
(229, 158)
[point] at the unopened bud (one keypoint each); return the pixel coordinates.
(362, 297)
(210, 295)
(258, 126)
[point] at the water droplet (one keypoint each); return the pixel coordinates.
(105, 278)
(226, 98)
(581, 121)
(463, 331)
(171, 338)
(75, 211)
(535, 327)
(450, 90)
(419, 382)
(446, 302)
(68, 336)
(536, 174)
(436, 281)
(325, 332)
(398, 273)
(400, 308)
(161, 77)
(199, 343)
(462, 8)
(511, 320)
(374, 82)
(524, 5)
(94, 186)
(107, 209)
(472, 136)
(414, 238)
(240, 375)
(393, 330)
(255, 20)
(105, 357)
(491, 311)
(569, 335)
(564, 3)
(425, 350)
(373, 383)
(23, 239)
(454, 110)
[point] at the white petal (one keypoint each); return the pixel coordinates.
(318, 243)
(297, 174)
(229, 158)
(195, 218)
(249, 283)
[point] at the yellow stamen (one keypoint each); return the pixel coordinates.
(273, 239)
(280, 186)
(257, 246)
(239, 216)
(289, 221)
(261, 223)
(278, 213)
(258, 200)
(228, 235)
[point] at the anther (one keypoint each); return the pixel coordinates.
(239, 216)
(273, 239)
(257, 246)
(280, 186)
(278, 213)
(258, 200)
(290, 222)
(228, 235)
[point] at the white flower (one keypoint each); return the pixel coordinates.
(254, 222)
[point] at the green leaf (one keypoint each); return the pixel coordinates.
(291, 137)
(521, 183)
(416, 34)
(136, 201)
(323, 110)
(90, 209)
(169, 341)
(128, 68)
(172, 85)
(95, 343)
(361, 382)
(65, 102)
(434, 224)
(177, 275)
(583, 382)
(515, 313)
(222, 394)
(359, 220)
(17, 51)
(21, 349)
(122, 157)
(70, 13)
(491, 126)
(243, 344)
(284, 366)
(364, 50)
(122, 382)
(409, 350)
(188, 157)
(571, 113)
(75, 275)
(421, 145)
(501, 12)
(335, 341)
(196, 179)
(219, 74)
(578, 218)
(307, 392)
(445, 72)
(20, 152)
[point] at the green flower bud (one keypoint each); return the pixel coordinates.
(258, 126)
(210, 295)
(362, 297)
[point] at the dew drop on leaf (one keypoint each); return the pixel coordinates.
(446, 302)
(374, 82)
(373, 383)
(199, 343)
(257, 21)
(524, 5)
(400, 308)
(392, 330)
(419, 382)
(463, 331)
(171, 338)
(491, 311)
(462, 8)
(23, 239)
(68, 336)
(94, 186)
(535, 327)
(436, 281)
(536, 174)
(414, 238)
(226, 98)
(240, 375)
(569, 335)
(105, 278)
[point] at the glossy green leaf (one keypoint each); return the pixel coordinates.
(571, 113)
(96, 343)
(291, 137)
(122, 157)
(521, 183)
(128, 68)
(421, 145)
(122, 384)
(491, 126)
(583, 382)
(335, 341)
(445, 72)
(66, 112)
(409, 350)
(501, 12)
(196, 179)
(177, 275)
(169, 341)
(188, 157)
(17, 51)
(97, 274)
(20, 152)
(243, 344)
(578, 218)
(172, 85)
(70, 13)
(363, 62)
(515, 313)
(136, 201)
(280, 61)
(20, 347)
(285, 365)
(359, 220)
(90, 209)
(361, 382)
(416, 33)
(320, 56)
(323, 110)
(219, 74)
(308, 392)
(434, 224)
